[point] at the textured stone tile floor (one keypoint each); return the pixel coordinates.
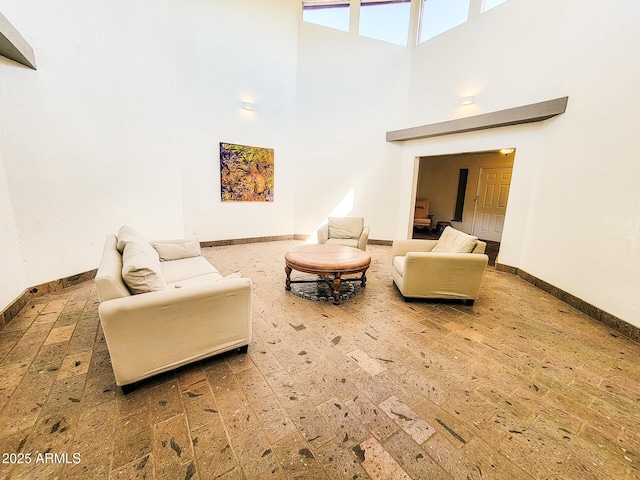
(519, 386)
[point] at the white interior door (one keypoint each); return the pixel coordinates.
(491, 206)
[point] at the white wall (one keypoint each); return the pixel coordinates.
(87, 139)
(11, 285)
(122, 120)
(228, 52)
(573, 218)
(350, 89)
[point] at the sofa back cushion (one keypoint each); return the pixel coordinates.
(345, 227)
(141, 267)
(140, 263)
(126, 234)
(177, 251)
(455, 241)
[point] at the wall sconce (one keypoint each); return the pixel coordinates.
(467, 101)
(247, 106)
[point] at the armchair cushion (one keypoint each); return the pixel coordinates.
(455, 241)
(347, 242)
(345, 227)
(347, 231)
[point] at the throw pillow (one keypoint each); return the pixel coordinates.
(176, 251)
(455, 241)
(141, 267)
(126, 234)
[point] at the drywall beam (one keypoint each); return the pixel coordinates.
(536, 112)
(13, 46)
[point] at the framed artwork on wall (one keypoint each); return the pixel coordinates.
(246, 173)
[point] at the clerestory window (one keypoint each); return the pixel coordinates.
(391, 20)
(328, 13)
(489, 4)
(386, 20)
(438, 16)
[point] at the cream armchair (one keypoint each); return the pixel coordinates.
(348, 231)
(420, 272)
(421, 216)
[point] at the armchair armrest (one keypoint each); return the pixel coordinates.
(364, 237)
(323, 233)
(402, 247)
(470, 263)
(443, 275)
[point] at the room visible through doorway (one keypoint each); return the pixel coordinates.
(468, 191)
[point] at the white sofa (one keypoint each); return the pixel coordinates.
(450, 267)
(183, 310)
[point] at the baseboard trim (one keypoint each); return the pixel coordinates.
(370, 241)
(241, 241)
(28, 294)
(611, 321)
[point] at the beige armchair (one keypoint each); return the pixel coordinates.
(348, 231)
(421, 216)
(433, 269)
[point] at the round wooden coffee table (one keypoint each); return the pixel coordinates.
(329, 261)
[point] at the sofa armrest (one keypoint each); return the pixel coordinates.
(153, 332)
(206, 297)
(402, 247)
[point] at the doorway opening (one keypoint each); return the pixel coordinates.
(467, 191)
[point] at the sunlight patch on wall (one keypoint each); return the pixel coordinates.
(342, 209)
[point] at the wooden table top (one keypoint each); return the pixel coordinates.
(327, 258)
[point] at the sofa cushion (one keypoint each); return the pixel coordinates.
(345, 227)
(126, 234)
(177, 251)
(178, 270)
(455, 241)
(141, 267)
(211, 277)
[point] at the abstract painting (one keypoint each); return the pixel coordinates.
(246, 173)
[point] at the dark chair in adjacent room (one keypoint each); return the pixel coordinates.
(421, 217)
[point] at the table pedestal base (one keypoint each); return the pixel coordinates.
(334, 280)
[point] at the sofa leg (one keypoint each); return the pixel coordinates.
(470, 301)
(243, 349)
